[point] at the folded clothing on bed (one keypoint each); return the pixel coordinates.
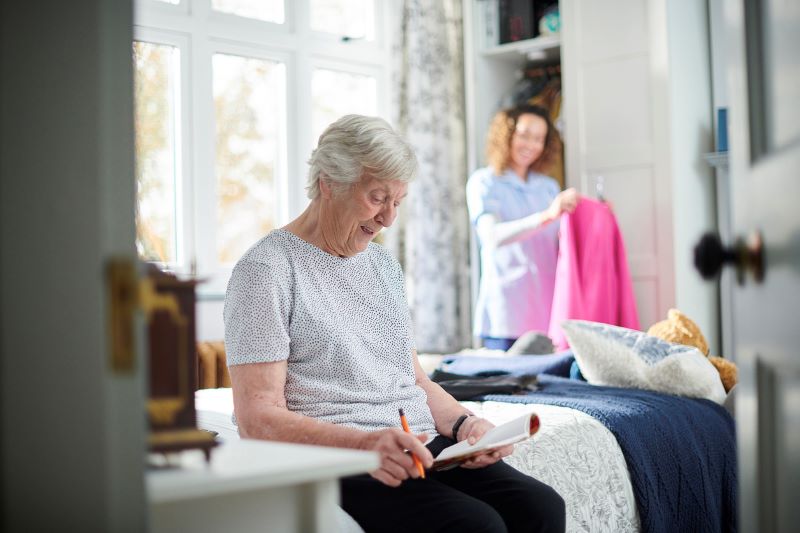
(463, 387)
(681, 452)
(557, 364)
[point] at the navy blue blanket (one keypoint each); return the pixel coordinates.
(681, 452)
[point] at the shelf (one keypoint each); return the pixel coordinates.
(717, 159)
(247, 464)
(543, 47)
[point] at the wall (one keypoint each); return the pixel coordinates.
(210, 326)
(719, 85)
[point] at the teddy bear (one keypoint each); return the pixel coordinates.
(681, 329)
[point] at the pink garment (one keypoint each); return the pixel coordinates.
(592, 277)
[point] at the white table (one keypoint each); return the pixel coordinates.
(253, 485)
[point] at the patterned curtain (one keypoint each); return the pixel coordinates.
(431, 235)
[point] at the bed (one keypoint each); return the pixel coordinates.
(623, 460)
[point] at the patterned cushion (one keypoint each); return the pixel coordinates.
(621, 357)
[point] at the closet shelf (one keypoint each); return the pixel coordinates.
(542, 47)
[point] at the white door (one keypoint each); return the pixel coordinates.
(765, 173)
(73, 427)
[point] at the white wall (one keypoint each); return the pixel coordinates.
(719, 57)
(210, 326)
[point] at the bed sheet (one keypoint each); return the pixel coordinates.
(215, 412)
(577, 456)
(572, 452)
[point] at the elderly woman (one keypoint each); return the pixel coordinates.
(514, 208)
(320, 349)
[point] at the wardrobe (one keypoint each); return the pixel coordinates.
(636, 121)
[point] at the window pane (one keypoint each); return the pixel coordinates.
(249, 102)
(266, 10)
(350, 18)
(155, 82)
(335, 93)
(173, 2)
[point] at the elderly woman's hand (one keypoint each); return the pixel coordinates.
(393, 446)
(473, 429)
(565, 202)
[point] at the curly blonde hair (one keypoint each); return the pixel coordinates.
(498, 141)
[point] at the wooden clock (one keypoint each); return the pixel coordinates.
(170, 306)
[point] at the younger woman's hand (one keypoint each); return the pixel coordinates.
(565, 202)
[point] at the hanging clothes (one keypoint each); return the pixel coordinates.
(592, 277)
(550, 98)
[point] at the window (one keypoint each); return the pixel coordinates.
(230, 99)
(335, 93)
(248, 97)
(266, 10)
(353, 19)
(156, 111)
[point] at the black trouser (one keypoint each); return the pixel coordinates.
(495, 498)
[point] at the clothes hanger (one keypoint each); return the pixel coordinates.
(599, 188)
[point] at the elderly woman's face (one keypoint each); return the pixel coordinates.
(356, 216)
(527, 141)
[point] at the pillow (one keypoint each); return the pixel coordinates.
(621, 357)
(532, 343)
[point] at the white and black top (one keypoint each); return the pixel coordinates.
(342, 323)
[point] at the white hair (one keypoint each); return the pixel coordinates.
(355, 145)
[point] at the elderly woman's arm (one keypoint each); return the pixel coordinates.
(446, 411)
(261, 413)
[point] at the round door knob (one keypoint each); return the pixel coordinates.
(710, 255)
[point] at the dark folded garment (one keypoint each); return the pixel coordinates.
(463, 387)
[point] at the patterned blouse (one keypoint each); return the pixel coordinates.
(341, 323)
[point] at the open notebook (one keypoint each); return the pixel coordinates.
(513, 431)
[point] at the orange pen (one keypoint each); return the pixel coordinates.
(417, 462)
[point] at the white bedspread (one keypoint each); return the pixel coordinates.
(577, 456)
(214, 412)
(572, 452)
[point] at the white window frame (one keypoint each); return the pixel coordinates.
(199, 32)
(182, 131)
(308, 142)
